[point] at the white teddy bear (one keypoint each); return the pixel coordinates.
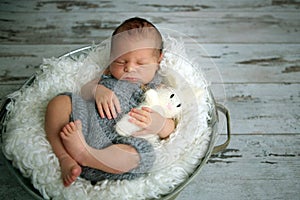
(163, 100)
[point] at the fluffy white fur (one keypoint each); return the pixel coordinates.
(26, 145)
(163, 100)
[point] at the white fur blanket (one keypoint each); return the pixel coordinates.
(26, 145)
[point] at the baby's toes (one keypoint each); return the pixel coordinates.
(67, 181)
(78, 124)
(72, 127)
(63, 135)
(67, 128)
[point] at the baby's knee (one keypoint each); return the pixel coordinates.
(60, 101)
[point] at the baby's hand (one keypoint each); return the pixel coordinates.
(107, 102)
(149, 120)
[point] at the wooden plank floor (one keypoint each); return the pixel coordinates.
(254, 43)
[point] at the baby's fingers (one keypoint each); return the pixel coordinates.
(141, 116)
(117, 104)
(112, 109)
(147, 109)
(137, 122)
(114, 106)
(104, 110)
(100, 110)
(109, 110)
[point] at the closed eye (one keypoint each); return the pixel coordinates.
(120, 62)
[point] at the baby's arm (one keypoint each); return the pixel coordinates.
(89, 89)
(107, 102)
(167, 129)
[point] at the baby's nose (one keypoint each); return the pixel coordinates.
(129, 68)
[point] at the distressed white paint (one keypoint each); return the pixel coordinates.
(254, 44)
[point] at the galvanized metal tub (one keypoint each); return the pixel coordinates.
(213, 123)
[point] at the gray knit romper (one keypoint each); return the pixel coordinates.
(100, 132)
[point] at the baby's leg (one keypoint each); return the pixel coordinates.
(57, 116)
(74, 142)
(116, 159)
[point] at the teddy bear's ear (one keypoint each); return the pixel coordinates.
(151, 97)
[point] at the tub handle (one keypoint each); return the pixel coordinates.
(223, 146)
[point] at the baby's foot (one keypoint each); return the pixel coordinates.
(70, 170)
(74, 141)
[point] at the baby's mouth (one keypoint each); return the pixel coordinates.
(131, 79)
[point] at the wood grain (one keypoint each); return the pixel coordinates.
(249, 50)
(253, 167)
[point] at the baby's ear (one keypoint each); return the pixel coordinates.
(161, 56)
(151, 97)
(160, 86)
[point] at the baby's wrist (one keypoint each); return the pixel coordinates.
(97, 86)
(168, 128)
(94, 90)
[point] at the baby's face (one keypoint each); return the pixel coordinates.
(139, 65)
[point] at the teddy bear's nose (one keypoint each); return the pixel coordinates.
(169, 106)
